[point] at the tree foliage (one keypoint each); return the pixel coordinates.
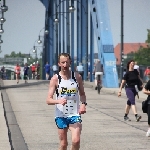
(142, 56)
(15, 55)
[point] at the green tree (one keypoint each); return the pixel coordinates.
(148, 36)
(142, 56)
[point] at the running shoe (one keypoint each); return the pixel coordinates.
(127, 119)
(148, 133)
(138, 117)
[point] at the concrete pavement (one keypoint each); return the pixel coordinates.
(4, 140)
(142, 96)
(33, 124)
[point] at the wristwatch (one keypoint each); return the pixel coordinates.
(84, 103)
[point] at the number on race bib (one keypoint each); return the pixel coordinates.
(70, 108)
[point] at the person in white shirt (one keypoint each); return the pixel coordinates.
(136, 67)
(80, 70)
(70, 102)
(55, 69)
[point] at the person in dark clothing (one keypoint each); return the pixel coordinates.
(146, 90)
(47, 70)
(2, 72)
(130, 80)
(26, 69)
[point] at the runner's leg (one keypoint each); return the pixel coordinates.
(63, 138)
(76, 132)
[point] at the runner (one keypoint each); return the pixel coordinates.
(17, 71)
(68, 112)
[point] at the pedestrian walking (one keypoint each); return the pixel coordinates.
(146, 73)
(17, 72)
(80, 70)
(68, 111)
(26, 69)
(47, 70)
(146, 90)
(3, 73)
(130, 80)
(55, 69)
(136, 66)
(89, 73)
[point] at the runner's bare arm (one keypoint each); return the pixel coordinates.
(121, 86)
(82, 109)
(52, 88)
(81, 88)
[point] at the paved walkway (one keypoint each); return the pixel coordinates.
(142, 96)
(32, 127)
(4, 140)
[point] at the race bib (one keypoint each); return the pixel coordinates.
(70, 108)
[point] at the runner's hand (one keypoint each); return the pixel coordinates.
(82, 109)
(63, 101)
(119, 94)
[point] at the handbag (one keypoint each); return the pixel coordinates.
(145, 106)
(139, 85)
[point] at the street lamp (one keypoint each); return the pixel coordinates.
(0, 49)
(121, 45)
(4, 8)
(56, 20)
(71, 8)
(1, 41)
(2, 19)
(1, 29)
(39, 41)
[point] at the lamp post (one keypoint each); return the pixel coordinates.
(121, 45)
(39, 41)
(46, 31)
(4, 8)
(1, 41)
(1, 29)
(82, 50)
(2, 19)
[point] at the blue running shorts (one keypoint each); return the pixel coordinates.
(62, 122)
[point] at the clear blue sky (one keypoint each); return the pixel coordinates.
(25, 18)
(136, 20)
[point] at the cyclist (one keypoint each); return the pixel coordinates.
(98, 70)
(17, 71)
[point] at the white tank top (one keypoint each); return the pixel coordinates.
(67, 89)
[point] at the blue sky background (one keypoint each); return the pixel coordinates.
(25, 19)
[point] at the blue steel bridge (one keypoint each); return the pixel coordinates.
(81, 28)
